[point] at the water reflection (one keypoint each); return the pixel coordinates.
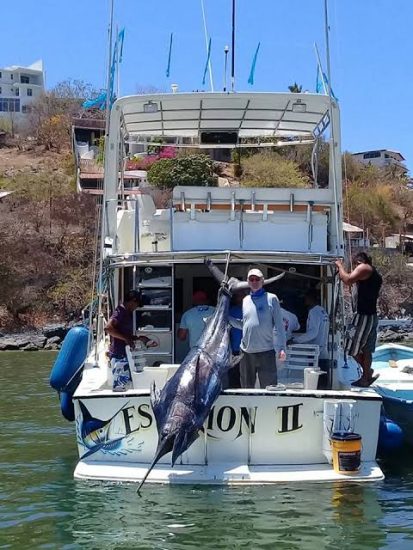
(308, 517)
(40, 502)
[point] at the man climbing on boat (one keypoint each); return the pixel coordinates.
(360, 340)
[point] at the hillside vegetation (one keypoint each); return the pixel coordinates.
(48, 230)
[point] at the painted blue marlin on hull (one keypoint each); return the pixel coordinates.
(95, 434)
(184, 403)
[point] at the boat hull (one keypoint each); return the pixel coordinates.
(250, 437)
(224, 474)
(394, 363)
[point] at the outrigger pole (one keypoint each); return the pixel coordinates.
(207, 45)
(333, 130)
(99, 323)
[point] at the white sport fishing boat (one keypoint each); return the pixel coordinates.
(251, 436)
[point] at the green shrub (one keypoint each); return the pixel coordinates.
(269, 169)
(187, 170)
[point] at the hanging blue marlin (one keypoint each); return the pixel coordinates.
(184, 403)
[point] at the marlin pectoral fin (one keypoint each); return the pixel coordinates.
(159, 408)
(155, 395)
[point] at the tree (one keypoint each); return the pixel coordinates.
(397, 287)
(51, 113)
(46, 246)
(295, 88)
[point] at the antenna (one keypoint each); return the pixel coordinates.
(233, 48)
(226, 50)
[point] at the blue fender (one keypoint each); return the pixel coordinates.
(67, 368)
(67, 406)
(390, 436)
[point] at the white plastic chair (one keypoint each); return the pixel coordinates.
(300, 357)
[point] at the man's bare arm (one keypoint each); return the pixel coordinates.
(360, 273)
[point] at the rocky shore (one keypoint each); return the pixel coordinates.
(395, 333)
(49, 337)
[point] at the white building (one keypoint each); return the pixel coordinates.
(382, 158)
(19, 87)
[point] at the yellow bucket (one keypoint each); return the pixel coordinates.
(346, 449)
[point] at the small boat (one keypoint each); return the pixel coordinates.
(394, 363)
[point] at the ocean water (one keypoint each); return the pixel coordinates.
(42, 506)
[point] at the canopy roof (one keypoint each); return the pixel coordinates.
(246, 115)
(350, 228)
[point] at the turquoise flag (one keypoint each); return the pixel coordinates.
(99, 101)
(207, 61)
(121, 38)
(168, 68)
(254, 62)
(320, 86)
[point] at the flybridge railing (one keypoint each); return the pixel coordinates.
(198, 256)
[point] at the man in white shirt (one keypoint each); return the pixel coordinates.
(316, 332)
(291, 323)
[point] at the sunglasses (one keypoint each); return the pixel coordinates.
(254, 279)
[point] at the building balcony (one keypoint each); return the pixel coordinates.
(394, 162)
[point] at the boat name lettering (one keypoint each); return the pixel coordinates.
(228, 417)
(145, 418)
(290, 418)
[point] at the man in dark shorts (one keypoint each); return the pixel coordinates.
(120, 329)
(360, 341)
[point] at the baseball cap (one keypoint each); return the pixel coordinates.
(199, 297)
(255, 273)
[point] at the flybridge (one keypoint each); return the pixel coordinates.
(230, 120)
(223, 119)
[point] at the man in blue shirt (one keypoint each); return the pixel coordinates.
(193, 321)
(262, 326)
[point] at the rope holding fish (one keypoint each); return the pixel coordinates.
(226, 267)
